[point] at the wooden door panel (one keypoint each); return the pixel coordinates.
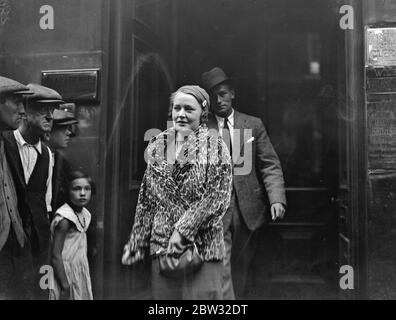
(140, 65)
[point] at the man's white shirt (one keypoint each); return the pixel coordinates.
(28, 155)
(220, 123)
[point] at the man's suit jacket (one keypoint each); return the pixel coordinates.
(31, 197)
(264, 183)
(62, 169)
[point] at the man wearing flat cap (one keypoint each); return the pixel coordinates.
(31, 165)
(16, 268)
(253, 191)
(59, 138)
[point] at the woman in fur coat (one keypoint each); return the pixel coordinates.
(185, 192)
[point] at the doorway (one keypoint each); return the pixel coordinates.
(288, 61)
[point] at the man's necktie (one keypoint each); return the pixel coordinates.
(227, 136)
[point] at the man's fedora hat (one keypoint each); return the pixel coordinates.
(63, 116)
(9, 86)
(214, 77)
(43, 94)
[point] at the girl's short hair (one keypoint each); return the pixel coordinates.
(77, 174)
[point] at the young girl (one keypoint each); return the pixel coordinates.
(69, 260)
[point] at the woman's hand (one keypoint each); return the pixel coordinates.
(177, 244)
(131, 255)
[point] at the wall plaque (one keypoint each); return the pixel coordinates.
(381, 96)
(381, 85)
(381, 125)
(381, 46)
(78, 85)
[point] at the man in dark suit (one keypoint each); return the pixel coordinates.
(59, 138)
(31, 165)
(257, 180)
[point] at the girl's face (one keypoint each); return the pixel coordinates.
(80, 192)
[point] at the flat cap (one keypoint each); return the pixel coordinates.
(11, 86)
(43, 94)
(64, 118)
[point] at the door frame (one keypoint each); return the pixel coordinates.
(357, 150)
(119, 26)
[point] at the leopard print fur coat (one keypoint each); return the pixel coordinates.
(190, 195)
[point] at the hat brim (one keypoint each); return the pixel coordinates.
(63, 123)
(49, 101)
(23, 92)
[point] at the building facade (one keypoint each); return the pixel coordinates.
(318, 73)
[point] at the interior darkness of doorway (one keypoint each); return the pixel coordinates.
(283, 55)
(286, 58)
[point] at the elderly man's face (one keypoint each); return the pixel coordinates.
(39, 117)
(60, 137)
(12, 111)
(222, 96)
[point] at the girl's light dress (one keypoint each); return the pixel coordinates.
(74, 254)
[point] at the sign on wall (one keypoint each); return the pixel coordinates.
(381, 124)
(79, 85)
(381, 97)
(381, 46)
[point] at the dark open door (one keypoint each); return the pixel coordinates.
(301, 77)
(290, 70)
(143, 47)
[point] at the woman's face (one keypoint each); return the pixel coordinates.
(80, 192)
(186, 112)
